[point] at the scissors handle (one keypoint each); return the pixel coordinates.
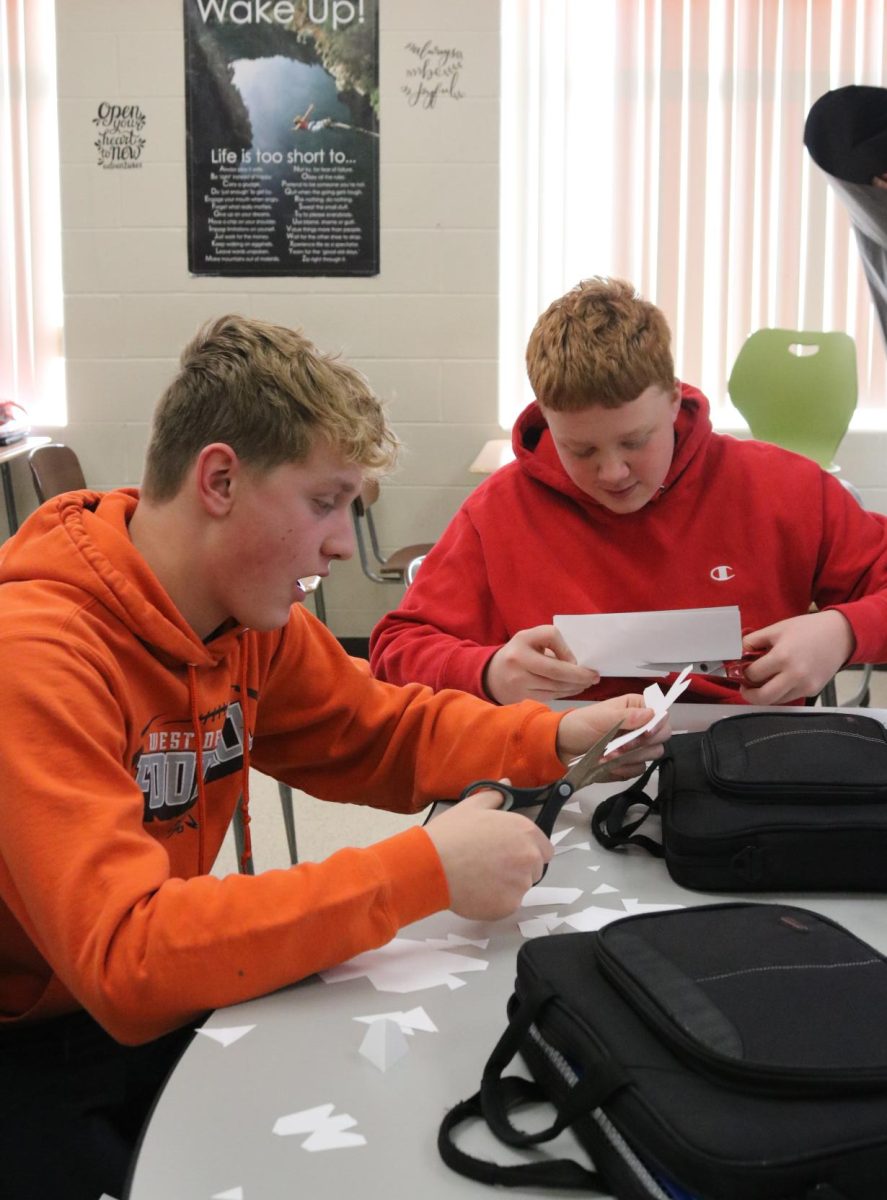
(513, 797)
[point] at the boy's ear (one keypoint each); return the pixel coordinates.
(676, 400)
(217, 471)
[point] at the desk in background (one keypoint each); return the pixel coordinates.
(7, 454)
(211, 1131)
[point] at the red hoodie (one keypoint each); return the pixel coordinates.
(121, 761)
(738, 522)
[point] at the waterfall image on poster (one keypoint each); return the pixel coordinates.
(282, 119)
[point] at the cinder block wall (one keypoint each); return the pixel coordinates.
(423, 330)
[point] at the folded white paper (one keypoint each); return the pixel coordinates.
(624, 643)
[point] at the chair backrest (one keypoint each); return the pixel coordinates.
(802, 401)
(55, 469)
(367, 496)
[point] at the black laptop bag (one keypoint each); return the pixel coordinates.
(721, 1052)
(765, 802)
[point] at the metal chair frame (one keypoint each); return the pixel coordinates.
(393, 568)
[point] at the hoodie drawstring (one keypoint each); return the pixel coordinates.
(201, 787)
(244, 801)
(201, 790)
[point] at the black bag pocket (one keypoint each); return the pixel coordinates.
(770, 996)
(805, 757)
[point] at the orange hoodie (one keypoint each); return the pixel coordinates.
(122, 759)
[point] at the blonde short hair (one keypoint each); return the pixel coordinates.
(601, 343)
(267, 392)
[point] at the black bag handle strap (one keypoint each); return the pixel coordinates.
(496, 1092)
(609, 824)
(555, 1172)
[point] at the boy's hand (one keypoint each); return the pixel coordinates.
(801, 656)
(537, 664)
(581, 728)
(491, 859)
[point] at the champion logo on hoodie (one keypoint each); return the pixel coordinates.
(165, 767)
(722, 573)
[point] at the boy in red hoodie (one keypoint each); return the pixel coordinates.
(622, 499)
(153, 646)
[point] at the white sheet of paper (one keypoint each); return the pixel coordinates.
(235, 1193)
(621, 643)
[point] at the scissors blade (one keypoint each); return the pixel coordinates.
(583, 769)
(708, 666)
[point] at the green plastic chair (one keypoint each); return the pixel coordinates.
(803, 402)
(800, 400)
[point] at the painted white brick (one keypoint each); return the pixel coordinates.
(470, 392)
(155, 196)
(410, 389)
(112, 260)
(116, 390)
(101, 448)
(158, 326)
(102, 16)
(152, 64)
(88, 66)
(440, 455)
(469, 261)
(465, 131)
(455, 196)
(456, 16)
(90, 197)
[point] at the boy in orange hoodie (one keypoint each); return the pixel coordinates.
(154, 647)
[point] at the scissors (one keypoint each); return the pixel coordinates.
(728, 668)
(552, 796)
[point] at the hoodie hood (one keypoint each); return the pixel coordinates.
(82, 539)
(537, 455)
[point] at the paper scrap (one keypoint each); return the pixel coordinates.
(535, 927)
(593, 917)
(228, 1035)
(457, 939)
(560, 834)
(626, 643)
(602, 888)
(550, 895)
(539, 926)
(573, 846)
(384, 1044)
(653, 698)
(409, 1022)
(636, 906)
(326, 1132)
(235, 1193)
(572, 806)
(405, 965)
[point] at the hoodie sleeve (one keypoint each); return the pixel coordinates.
(448, 626)
(94, 906)
(395, 747)
(852, 570)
